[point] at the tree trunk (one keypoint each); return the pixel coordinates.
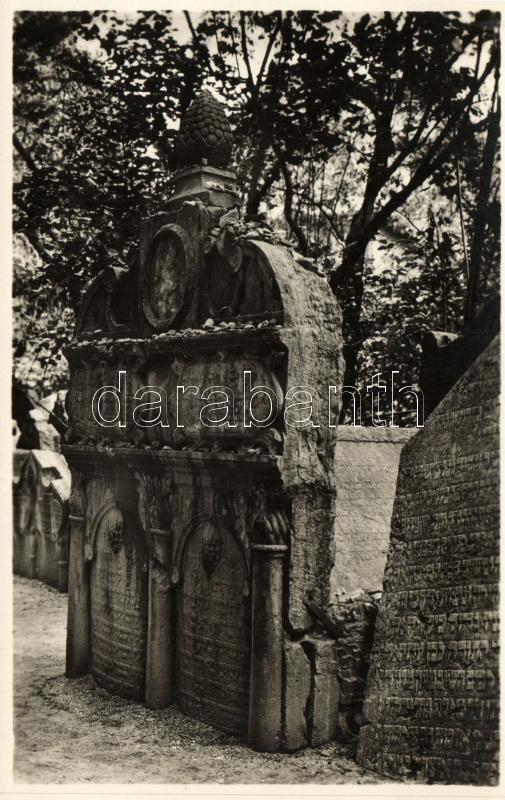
(347, 285)
(254, 194)
(347, 282)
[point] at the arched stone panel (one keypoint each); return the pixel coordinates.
(118, 608)
(213, 629)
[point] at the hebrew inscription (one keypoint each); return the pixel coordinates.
(213, 631)
(432, 701)
(119, 611)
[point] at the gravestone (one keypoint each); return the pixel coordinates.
(446, 356)
(366, 470)
(196, 548)
(41, 491)
(431, 710)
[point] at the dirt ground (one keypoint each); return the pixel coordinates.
(71, 731)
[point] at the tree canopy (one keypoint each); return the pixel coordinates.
(371, 140)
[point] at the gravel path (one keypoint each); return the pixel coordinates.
(74, 732)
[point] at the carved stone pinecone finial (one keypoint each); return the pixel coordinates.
(205, 134)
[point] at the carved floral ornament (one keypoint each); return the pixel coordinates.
(213, 533)
(57, 517)
(154, 502)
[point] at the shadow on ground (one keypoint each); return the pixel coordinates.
(71, 731)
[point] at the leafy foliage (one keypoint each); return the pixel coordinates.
(343, 124)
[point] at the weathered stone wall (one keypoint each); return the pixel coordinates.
(431, 711)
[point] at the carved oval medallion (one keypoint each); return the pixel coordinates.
(167, 275)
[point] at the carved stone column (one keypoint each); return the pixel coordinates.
(78, 625)
(60, 528)
(62, 565)
(160, 663)
(265, 714)
(160, 656)
(32, 558)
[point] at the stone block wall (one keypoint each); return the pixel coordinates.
(432, 703)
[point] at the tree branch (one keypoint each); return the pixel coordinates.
(288, 203)
(449, 125)
(461, 220)
(269, 181)
(23, 152)
(194, 34)
(273, 37)
(426, 168)
(245, 52)
(326, 214)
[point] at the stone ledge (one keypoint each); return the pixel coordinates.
(361, 433)
(146, 457)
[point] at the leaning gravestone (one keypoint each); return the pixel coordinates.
(195, 547)
(431, 710)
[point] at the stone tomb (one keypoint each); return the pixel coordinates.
(432, 703)
(40, 507)
(194, 549)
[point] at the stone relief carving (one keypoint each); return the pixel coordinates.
(238, 282)
(167, 277)
(115, 529)
(56, 515)
(213, 532)
(155, 513)
(154, 500)
(106, 305)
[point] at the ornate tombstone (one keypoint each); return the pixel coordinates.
(432, 702)
(41, 536)
(196, 544)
